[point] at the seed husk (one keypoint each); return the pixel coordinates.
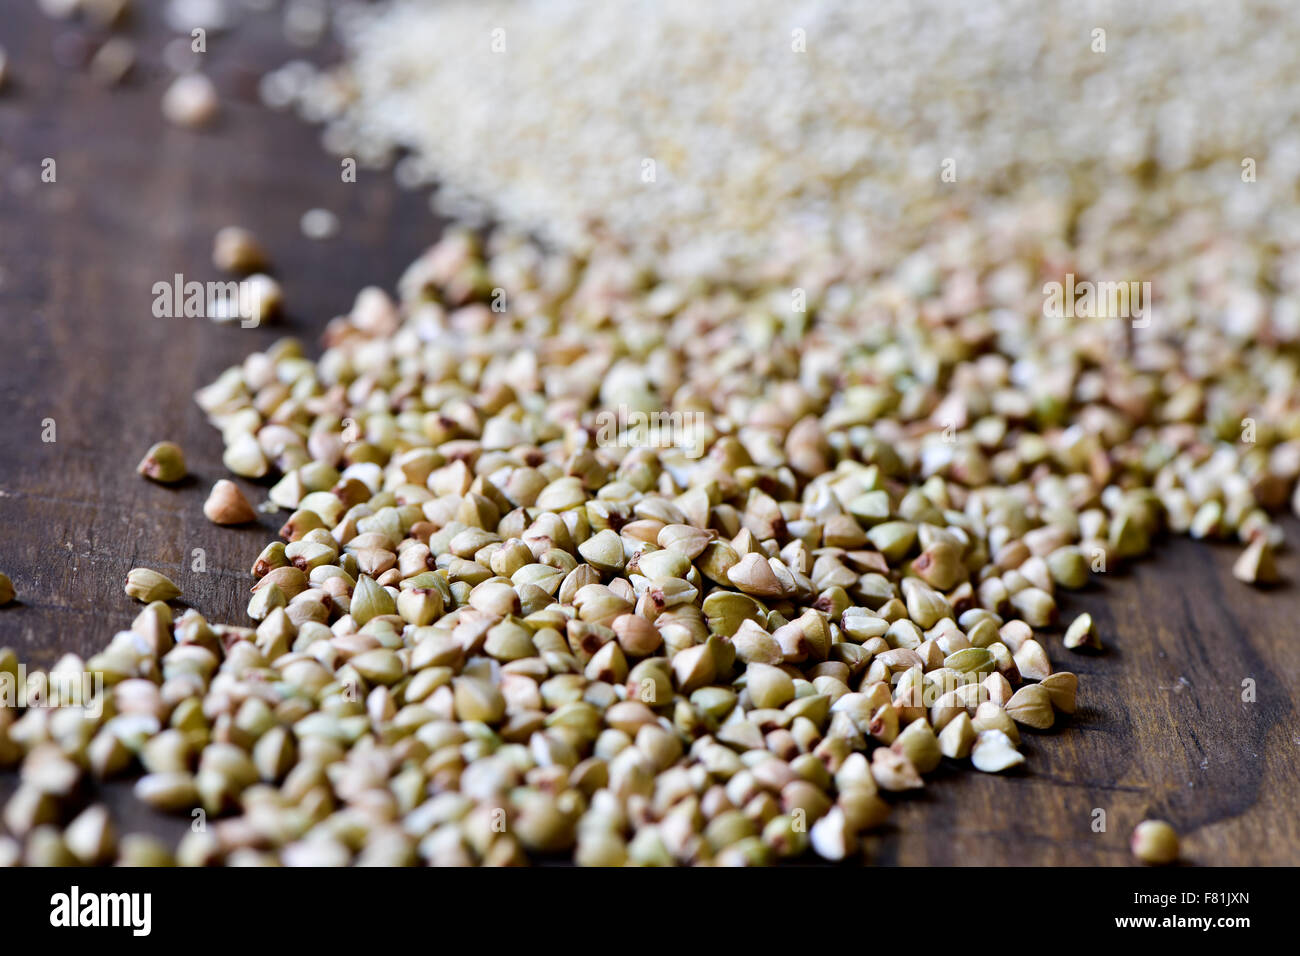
(369, 600)
(1154, 842)
(686, 540)
(831, 838)
(191, 101)
(754, 575)
(1256, 564)
(236, 249)
(9, 663)
(893, 771)
(768, 686)
(693, 667)
(603, 551)
(884, 724)
(147, 586)
(1062, 687)
(971, 660)
(785, 838)
(716, 561)
(1128, 537)
(940, 565)
(998, 689)
(994, 752)
(420, 606)
(163, 462)
(1206, 523)
(48, 769)
(6, 589)
(918, 743)
(1031, 705)
(380, 666)
(637, 636)
(893, 539)
(925, 605)
(607, 665)
(155, 624)
(45, 847)
(1035, 606)
(1082, 633)
(170, 792)
(477, 700)
(168, 752)
(28, 808)
(226, 504)
(259, 300)
(108, 755)
(244, 456)
(91, 837)
(983, 633)
(265, 601)
(1031, 661)
(273, 754)
(139, 849)
(290, 581)
(10, 851)
(957, 737)
(1069, 567)
(726, 612)
(990, 716)
(601, 849)
(863, 809)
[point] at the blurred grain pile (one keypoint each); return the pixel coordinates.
(774, 126)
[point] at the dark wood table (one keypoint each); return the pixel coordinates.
(1162, 728)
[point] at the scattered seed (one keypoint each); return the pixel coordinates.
(147, 586)
(227, 505)
(191, 101)
(235, 249)
(262, 300)
(1256, 564)
(113, 61)
(319, 224)
(164, 462)
(91, 837)
(1154, 842)
(993, 752)
(1082, 633)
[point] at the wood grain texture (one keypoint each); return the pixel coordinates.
(1162, 729)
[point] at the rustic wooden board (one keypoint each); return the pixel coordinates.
(1162, 728)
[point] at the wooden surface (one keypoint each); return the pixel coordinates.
(1162, 729)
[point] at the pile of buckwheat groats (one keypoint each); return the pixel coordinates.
(591, 558)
